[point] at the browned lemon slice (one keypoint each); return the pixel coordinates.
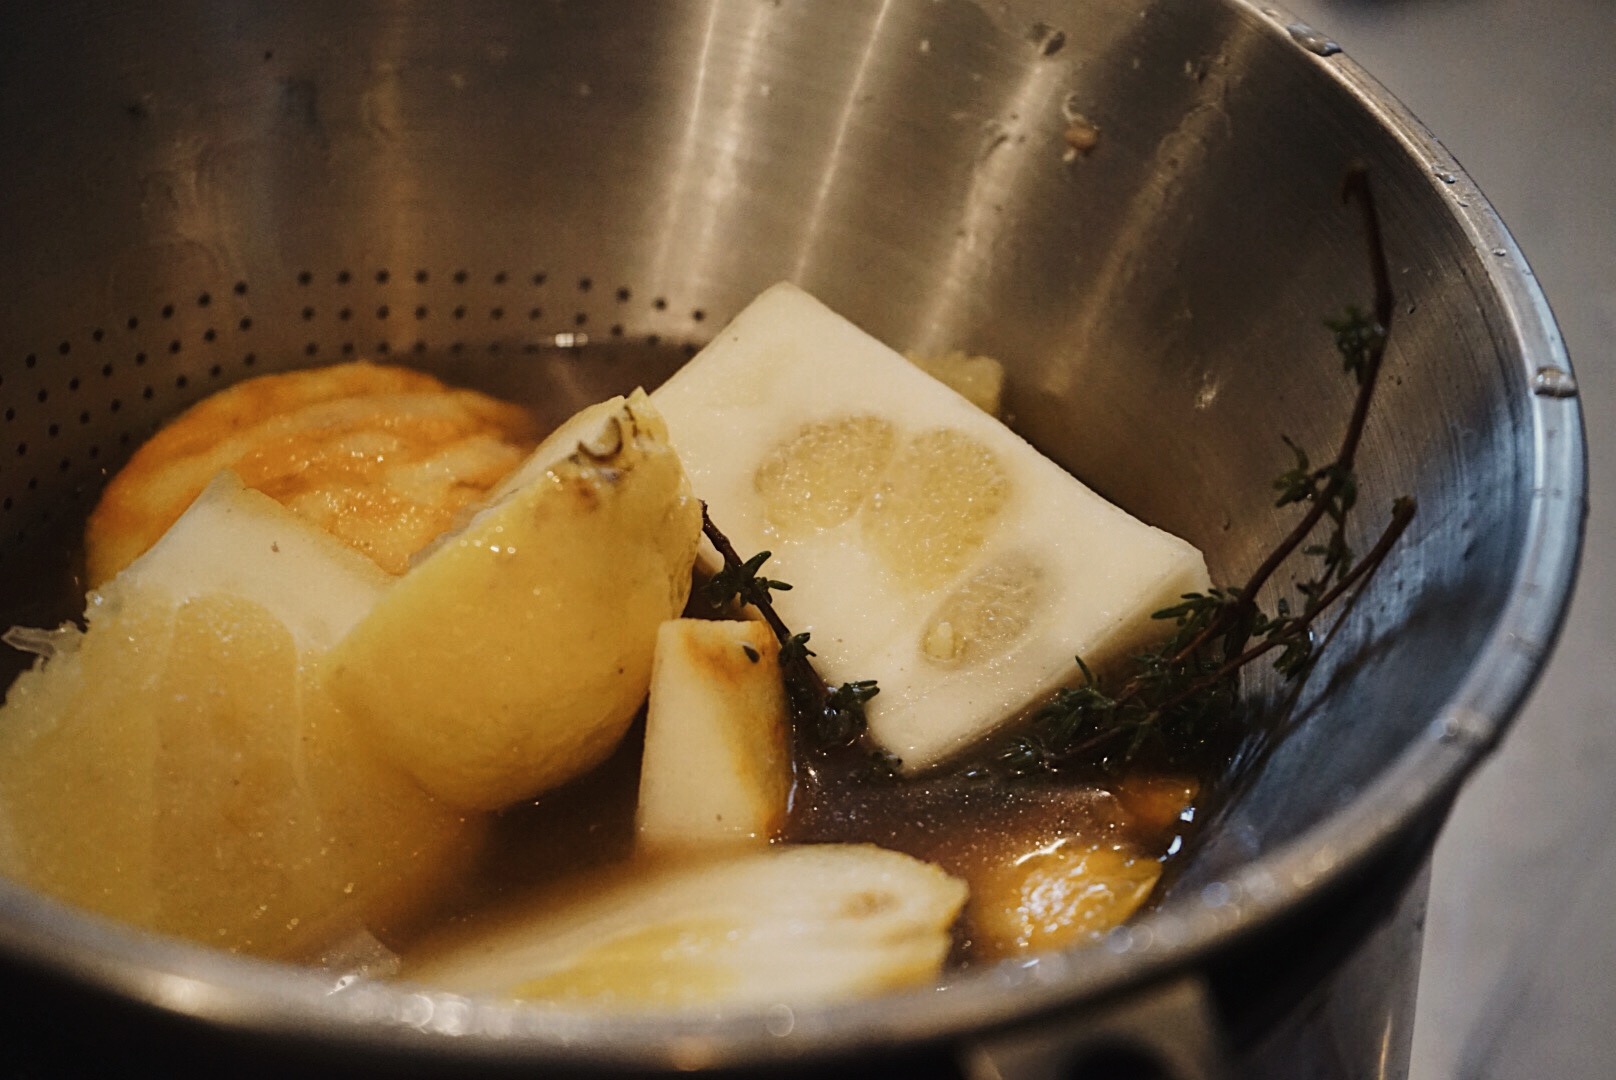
(1063, 894)
(381, 457)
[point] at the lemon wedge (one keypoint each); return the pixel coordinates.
(513, 655)
(174, 766)
(930, 548)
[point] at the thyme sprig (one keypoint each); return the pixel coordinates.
(740, 581)
(1177, 694)
(831, 716)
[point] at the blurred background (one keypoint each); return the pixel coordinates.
(1519, 973)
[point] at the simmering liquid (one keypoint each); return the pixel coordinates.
(1013, 839)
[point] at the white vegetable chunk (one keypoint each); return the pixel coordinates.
(717, 765)
(930, 547)
(795, 925)
(238, 541)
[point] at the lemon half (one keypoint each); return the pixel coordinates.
(513, 656)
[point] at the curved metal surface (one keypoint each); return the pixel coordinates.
(210, 191)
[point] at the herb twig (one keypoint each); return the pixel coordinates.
(835, 717)
(1175, 691)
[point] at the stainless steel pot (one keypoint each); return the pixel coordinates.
(557, 201)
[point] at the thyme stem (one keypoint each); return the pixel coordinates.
(1338, 474)
(758, 598)
(1402, 514)
(1184, 689)
(833, 716)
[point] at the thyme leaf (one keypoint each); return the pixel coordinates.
(1181, 692)
(740, 582)
(795, 648)
(830, 717)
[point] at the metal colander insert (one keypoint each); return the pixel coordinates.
(75, 409)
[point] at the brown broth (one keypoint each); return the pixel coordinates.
(581, 837)
(584, 832)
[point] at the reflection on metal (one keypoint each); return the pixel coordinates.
(818, 213)
(1311, 40)
(993, 207)
(1554, 382)
(718, 132)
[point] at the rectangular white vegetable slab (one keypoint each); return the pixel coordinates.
(930, 547)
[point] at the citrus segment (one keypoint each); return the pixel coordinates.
(513, 655)
(995, 608)
(819, 477)
(935, 507)
(171, 772)
(235, 540)
(78, 754)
